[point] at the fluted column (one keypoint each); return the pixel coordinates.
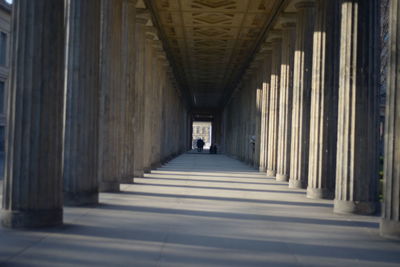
(33, 169)
(148, 102)
(301, 95)
(274, 107)
(154, 123)
(111, 98)
(82, 90)
(258, 116)
(265, 101)
(357, 145)
(324, 101)
(390, 224)
(129, 64)
(138, 135)
(159, 83)
(285, 103)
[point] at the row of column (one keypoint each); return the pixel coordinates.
(88, 85)
(320, 107)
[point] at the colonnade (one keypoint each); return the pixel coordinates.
(93, 104)
(320, 107)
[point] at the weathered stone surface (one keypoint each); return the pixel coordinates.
(82, 102)
(138, 135)
(111, 98)
(357, 145)
(265, 102)
(390, 224)
(324, 101)
(150, 75)
(285, 103)
(128, 87)
(301, 95)
(33, 177)
(274, 107)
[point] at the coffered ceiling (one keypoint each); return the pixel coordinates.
(210, 42)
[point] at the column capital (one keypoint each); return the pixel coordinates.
(287, 17)
(288, 25)
(143, 17)
(305, 4)
(140, 4)
(131, 2)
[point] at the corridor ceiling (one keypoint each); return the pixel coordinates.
(211, 42)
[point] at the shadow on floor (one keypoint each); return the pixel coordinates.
(221, 188)
(249, 200)
(239, 216)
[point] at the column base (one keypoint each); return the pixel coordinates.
(138, 173)
(271, 173)
(355, 207)
(282, 178)
(127, 180)
(81, 199)
(109, 187)
(320, 193)
(296, 184)
(262, 169)
(31, 218)
(147, 170)
(156, 165)
(390, 229)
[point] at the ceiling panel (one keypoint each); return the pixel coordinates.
(211, 40)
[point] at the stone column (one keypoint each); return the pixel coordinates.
(159, 84)
(82, 90)
(148, 98)
(138, 135)
(324, 101)
(274, 107)
(265, 101)
(259, 97)
(301, 95)
(110, 149)
(154, 107)
(390, 224)
(357, 145)
(285, 102)
(33, 168)
(129, 64)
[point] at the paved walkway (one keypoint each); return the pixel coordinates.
(203, 210)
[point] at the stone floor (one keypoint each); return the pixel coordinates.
(203, 210)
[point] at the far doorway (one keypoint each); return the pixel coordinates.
(202, 130)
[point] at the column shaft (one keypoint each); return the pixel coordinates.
(274, 108)
(33, 168)
(285, 103)
(265, 102)
(82, 102)
(390, 224)
(259, 97)
(357, 145)
(111, 98)
(301, 96)
(324, 101)
(138, 135)
(148, 95)
(129, 64)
